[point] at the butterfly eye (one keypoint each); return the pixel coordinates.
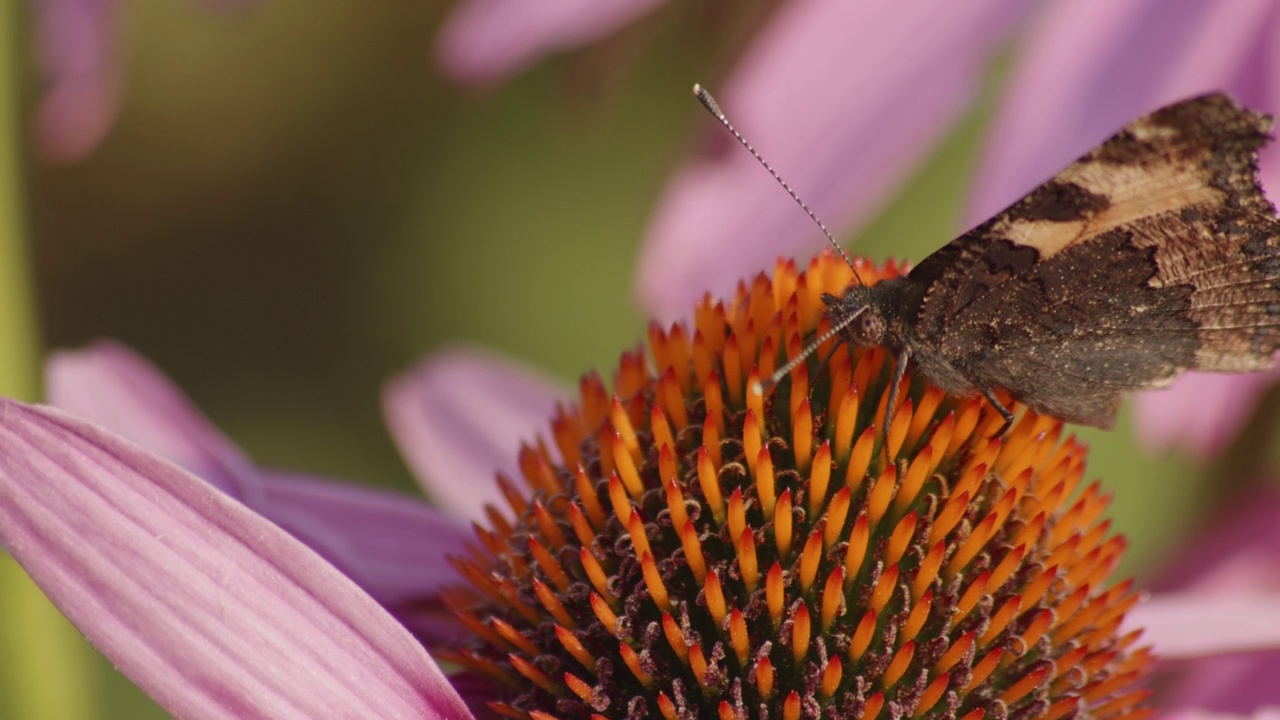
(869, 328)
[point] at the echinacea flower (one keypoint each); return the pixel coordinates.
(681, 546)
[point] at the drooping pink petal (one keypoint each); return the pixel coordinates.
(1262, 713)
(75, 41)
(485, 41)
(1217, 608)
(1239, 683)
(211, 609)
(1181, 626)
(844, 99)
(120, 390)
(1200, 413)
(1230, 645)
(460, 416)
(393, 547)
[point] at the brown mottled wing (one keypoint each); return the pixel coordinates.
(1153, 254)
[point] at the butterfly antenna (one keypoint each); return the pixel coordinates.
(772, 381)
(713, 107)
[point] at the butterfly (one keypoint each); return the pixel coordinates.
(1153, 254)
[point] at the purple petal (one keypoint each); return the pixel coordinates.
(1192, 625)
(1200, 412)
(211, 609)
(1232, 641)
(1236, 683)
(1264, 713)
(460, 416)
(118, 389)
(392, 546)
(1238, 553)
(479, 690)
(1221, 596)
(844, 99)
(485, 41)
(75, 44)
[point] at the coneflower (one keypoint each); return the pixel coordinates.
(684, 547)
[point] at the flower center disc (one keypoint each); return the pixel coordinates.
(693, 550)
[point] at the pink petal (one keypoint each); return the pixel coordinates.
(1242, 683)
(1229, 645)
(844, 99)
(1180, 626)
(1238, 553)
(1266, 713)
(76, 44)
(1200, 413)
(118, 389)
(211, 609)
(1214, 579)
(485, 41)
(459, 417)
(393, 547)
(1087, 67)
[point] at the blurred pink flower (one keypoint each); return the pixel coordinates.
(180, 567)
(1064, 95)
(485, 41)
(77, 54)
(75, 45)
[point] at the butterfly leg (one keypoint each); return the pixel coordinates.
(1005, 412)
(899, 369)
(822, 366)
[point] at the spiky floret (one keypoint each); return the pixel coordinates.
(692, 549)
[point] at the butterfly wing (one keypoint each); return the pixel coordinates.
(1153, 254)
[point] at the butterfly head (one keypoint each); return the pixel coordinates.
(857, 319)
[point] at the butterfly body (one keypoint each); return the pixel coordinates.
(1154, 254)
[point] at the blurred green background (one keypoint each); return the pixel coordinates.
(294, 205)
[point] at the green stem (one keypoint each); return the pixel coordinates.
(43, 658)
(19, 353)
